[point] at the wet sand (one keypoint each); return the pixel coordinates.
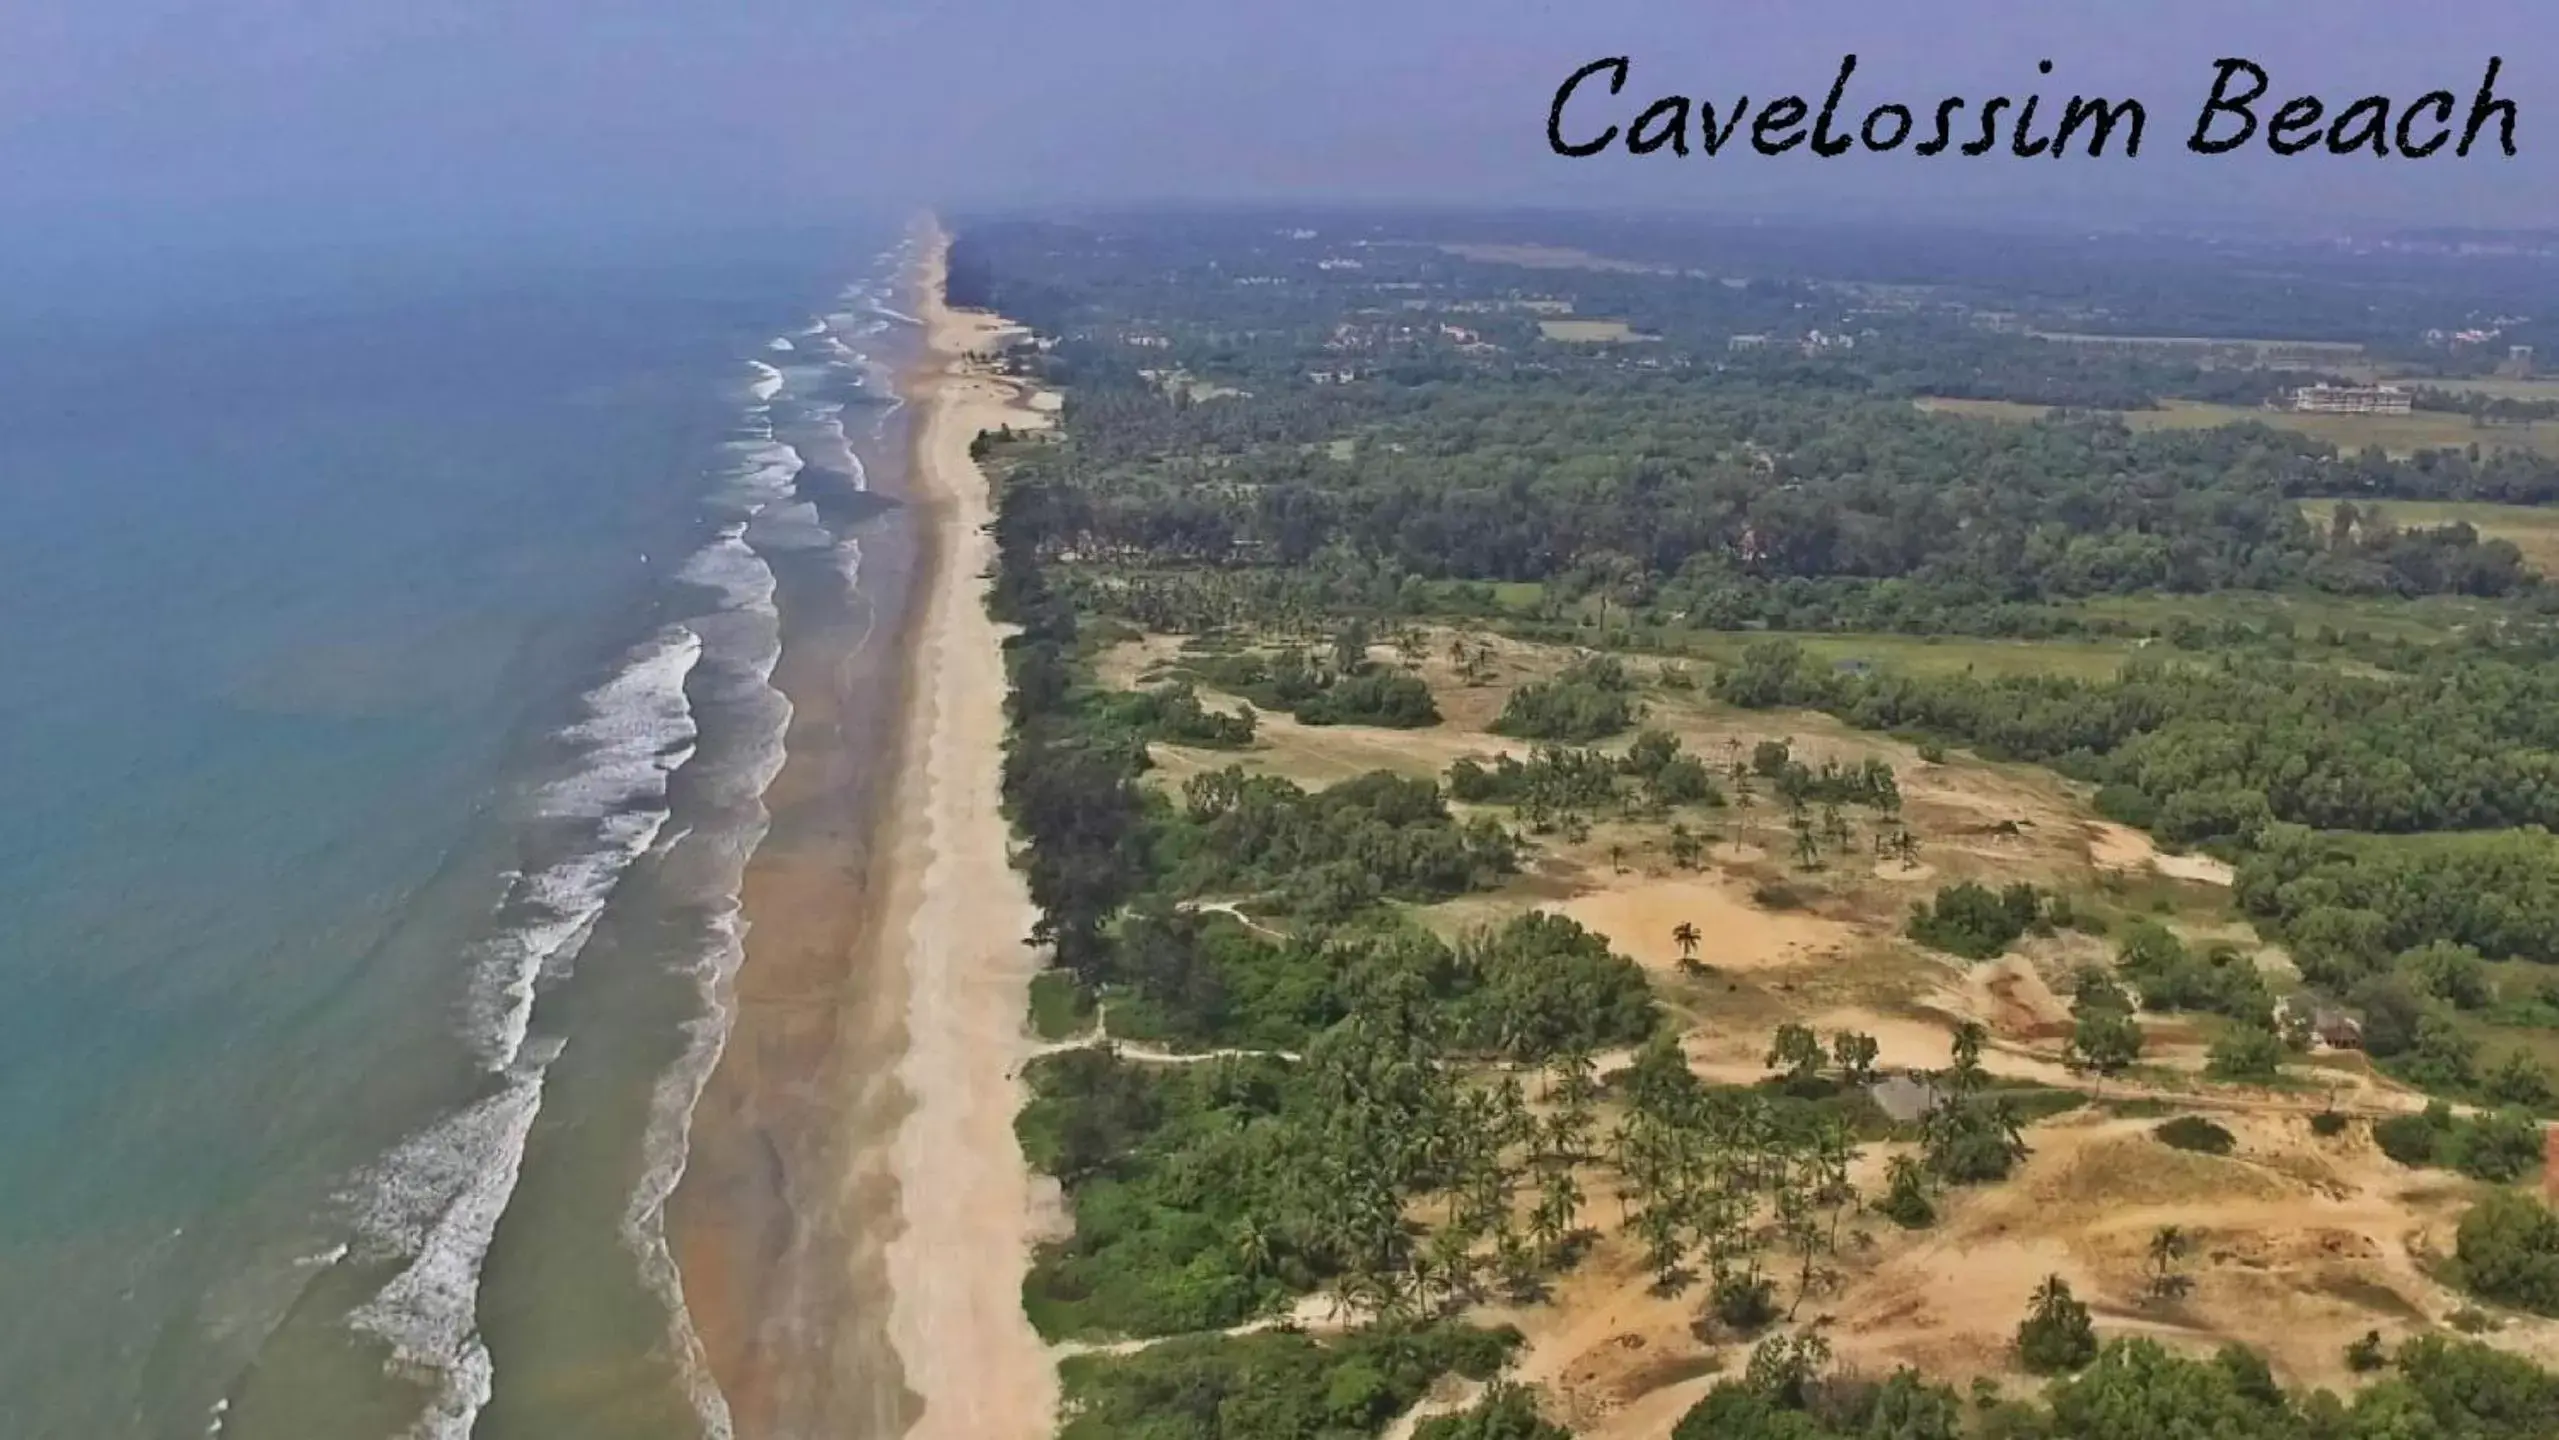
(855, 1216)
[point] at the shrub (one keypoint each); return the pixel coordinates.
(2498, 1147)
(1174, 712)
(2171, 977)
(2246, 1053)
(1745, 1302)
(2508, 1246)
(1506, 1412)
(1969, 920)
(2056, 1336)
(1390, 698)
(2327, 1124)
(2411, 1139)
(1776, 895)
(2194, 1132)
(1588, 700)
(1541, 984)
(1906, 1201)
(2365, 1356)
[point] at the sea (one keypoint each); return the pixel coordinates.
(386, 707)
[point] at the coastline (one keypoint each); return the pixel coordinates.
(855, 1216)
(968, 1199)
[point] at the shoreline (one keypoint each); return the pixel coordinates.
(969, 1202)
(856, 1216)
(779, 1222)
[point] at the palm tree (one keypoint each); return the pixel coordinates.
(1686, 937)
(1558, 1203)
(1252, 1247)
(1808, 849)
(2168, 1245)
(1412, 645)
(1617, 859)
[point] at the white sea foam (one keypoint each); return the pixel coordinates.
(768, 381)
(899, 316)
(730, 567)
(638, 729)
(848, 564)
(435, 1201)
(763, 474)
(780, 344)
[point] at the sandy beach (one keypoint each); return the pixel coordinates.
(856, 1216)
(967, 1199)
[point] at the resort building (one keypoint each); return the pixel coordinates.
(2351, 399)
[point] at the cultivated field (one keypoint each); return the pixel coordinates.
(1590, 331)
(2395, 434)
(2533, 530)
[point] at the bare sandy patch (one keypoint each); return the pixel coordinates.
(2120, 847)
(1734, 934)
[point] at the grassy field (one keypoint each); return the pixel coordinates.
(1982, 409)
(1929, 654)
(2397, 434)
(1606, 332)
(2543, 388)
(2533, 530)
(2432, 618)
(2202, 344)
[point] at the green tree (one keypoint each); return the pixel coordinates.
(2508, 1246)
(1854, 1053)
(2056, 1336)
(2168, 1246)
(2248, 1054)
(1906, 1201)
(2105, 1040)
(1506, 1411)
(1796, 1054)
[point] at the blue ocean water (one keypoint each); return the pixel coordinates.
(377, 654)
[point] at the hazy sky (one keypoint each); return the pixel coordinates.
(166, 118)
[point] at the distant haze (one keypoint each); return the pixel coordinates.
(155, 121)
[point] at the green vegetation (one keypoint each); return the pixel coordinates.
(1590, 700)
(2056, 1336)
(2499, 1146)
(2194, 1132)
(1331, 850)
(1558, 782)
(2169, 976)
(1174, 712)
(1506, 1412)
(1346, 690)
(1977, 923)
(2248, 1054)
(2354, 706)
(1271, 1386)
(2508, 1246)
(2137, 1389)
(2105, 1040)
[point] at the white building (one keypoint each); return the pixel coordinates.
(2325, 399)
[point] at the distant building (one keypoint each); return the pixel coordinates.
(1745, 342)
(2324, 399)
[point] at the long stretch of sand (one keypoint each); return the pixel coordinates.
(966, 1198)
